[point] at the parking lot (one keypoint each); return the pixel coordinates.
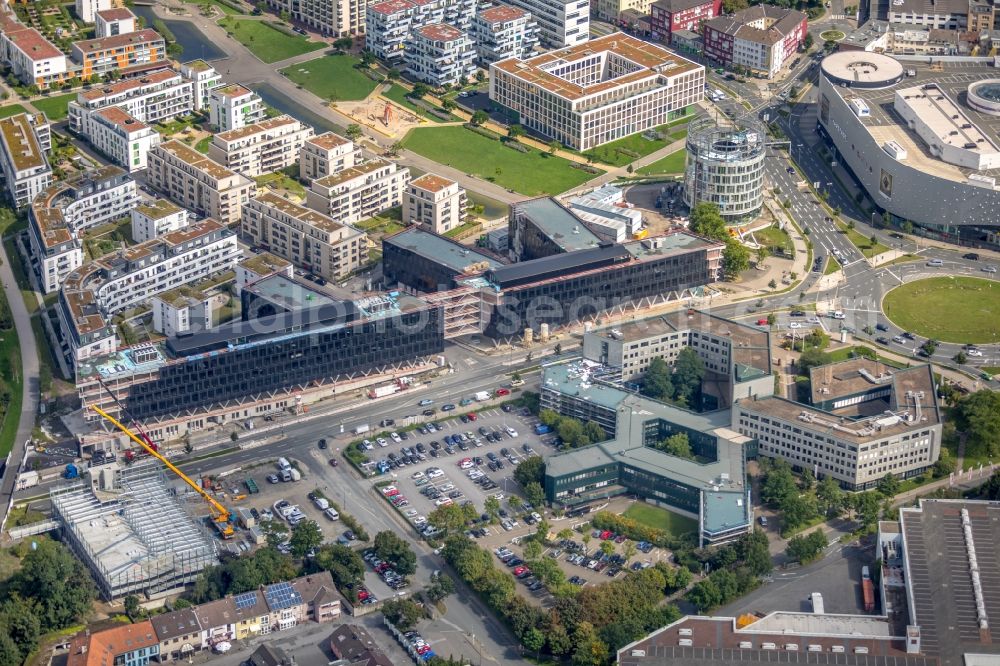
(479, 464)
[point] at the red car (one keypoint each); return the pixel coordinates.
(502, 392)
(606, 534)
(519, 570)
(392, 493)
(472, 416)
(762, 322)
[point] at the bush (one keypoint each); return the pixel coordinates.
(521, 148)
(482, 131)
(351, 522)
(585, 167)
(282, 28)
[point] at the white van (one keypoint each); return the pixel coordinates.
(332, 514)
(283, 464)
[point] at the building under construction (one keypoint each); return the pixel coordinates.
(130, 528)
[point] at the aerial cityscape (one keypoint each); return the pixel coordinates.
(464, 332)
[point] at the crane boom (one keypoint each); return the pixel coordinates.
(223, 513)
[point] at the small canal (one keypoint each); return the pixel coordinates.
(194, 42)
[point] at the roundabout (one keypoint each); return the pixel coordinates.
(832, 36)
(963, 310)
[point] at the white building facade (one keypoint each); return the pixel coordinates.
(157, 218)
(204, 79)
(504, 32)
(125, 140)
(25, 140)
(435, 202)
(233, 107)
(439, 55)
(562, 22)
(270, 145)
(358, 193)
(327, 154)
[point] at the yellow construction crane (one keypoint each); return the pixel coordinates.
(222, 514)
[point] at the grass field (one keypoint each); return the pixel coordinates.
(265, 42)
(617, 153)
(952, 309)
(861, 242)
(672, 163)
(11, 110)
(331, 78)
(397, 94)
(832, 265)
(661, 519)
(533, 173)
(774, 237)
(55, 108)
(226, 9)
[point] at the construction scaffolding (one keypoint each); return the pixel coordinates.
(136, 538)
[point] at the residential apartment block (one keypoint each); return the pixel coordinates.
(261, 265)
(125, 645)
(87, 9)
(943, 14)
(117, 21)
(390, 23)
(313, 241)
(181, 310)
(198, 183)
(439, 55)
(204, 79)
(25, 140)
(152, 98)
(761, 38)
(59, 214)
(125, 140)
(94, 293)
(105, 54)
(234, 107)
(32, 58)
(588, 95)
(866, 420)
(669, 16)
(435, 202)
(337, 18)
(264, 147)
(156, 218)
(561, 22)
(327, 154)
(502, 31)
(360, 192)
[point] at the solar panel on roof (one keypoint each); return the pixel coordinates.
(282, 595)
(245, 600)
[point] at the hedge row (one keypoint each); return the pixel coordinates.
(605, 520)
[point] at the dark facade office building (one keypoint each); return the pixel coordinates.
(427, 262)
(542, 227)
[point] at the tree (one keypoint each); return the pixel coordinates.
(656, 381)
(343, 44)
(305, 537)
(536, 496)
(677, 445)
(830, 496)
(689, 371)
(402, 613)
(798, 509)
(345, 566)
(907, 227)
(18, 620)
(772, 284)
(367, 58)
(873, 241)
(607, 548)
(514, 501)
(354, 132)
(807, 42)
(480, 117)
(132, 608)
(805, 549)
(867, 508)
(772, 319)
(394, 74)
(492, 508)
(274, 531)
(991, 489)
(812, 358)
(515, 131)
(448, 105)
(977, 415)
(594, 432)
(762, 254)
(531, 470)
(778, 485)
(807, 478)
(533, 640)
(175, 50)
(449, 517)
(554, 147)
(928, 348)
(628, 551)
(735, 259)
(440, 587)
(532, 549)
(961, 357)
(391, 548)
(888, 485)
(58, 582)
(395, 148)
(705, 220)
(571, 431)
(945, 464)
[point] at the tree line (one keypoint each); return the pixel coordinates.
(680, 385)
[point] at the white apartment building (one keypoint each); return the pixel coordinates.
(871, 421)
(204, 79)
(360, 192)
(311, 240)
(234, 107)
(33, 59)
(264, 147)
(117, 21)
(439, 54)
(327, 154)
(388, 24)
(58, 215)
(338, 18)
(198, 183)
(761, 38)
(156, 97)
(181, 310)
(94, 293)
(562, 22)
(942, 14)
(157, 218)
(87, 9)
(24, 141)
(121, 137)
(587, 95)
(435, 202)
(259, 266)
(504, 32)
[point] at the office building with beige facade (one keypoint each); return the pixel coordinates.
(588, 95)
(264, 147)
(327, 154)
(310, 240)
(198, 183)
(360, 192)
(435, 202)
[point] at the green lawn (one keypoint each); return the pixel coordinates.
(832, 265)
(952, 309)
(630, 148)
(773, 237)
(11, 110)
(861, 242)
(672, 163)
(55, 108)
(851, 352)
(661, 519)
(265, 42)
(331, 78)
(226, 9)
(203, 144)
(397, 94)
(532, 174)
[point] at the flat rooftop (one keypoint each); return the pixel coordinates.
(289, 294)
(431, 182)
(885, 124)
(939, 576)
(266, 125)
(648, 62)
(158, 209)
(265, 262)
(21, 144)
(328, 141)
(557, 222)
(946, 118)
(307, 216)
(154, 79)
(91, 46)
(194, 159)
(441, 250)
(341, 177)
